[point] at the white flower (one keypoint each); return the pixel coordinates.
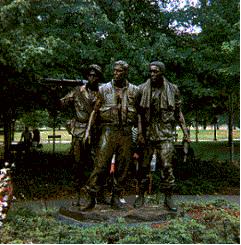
(5, 204)
(5, 198)
(3, 171)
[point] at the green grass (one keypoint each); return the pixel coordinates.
(63, 148)
(204, 150)
(65, 136)
(202, 135)
(209, 135)
(215, 150)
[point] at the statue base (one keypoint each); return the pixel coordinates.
(102, 214)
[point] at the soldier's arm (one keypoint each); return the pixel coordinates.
(182, 124)
(180, 118)
(92, 118)
(68, 98)
(140, 125)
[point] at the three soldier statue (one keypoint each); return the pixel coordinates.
(102, 130)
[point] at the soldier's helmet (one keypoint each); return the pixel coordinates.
(97, 69)
(122, 63)
(160, 65)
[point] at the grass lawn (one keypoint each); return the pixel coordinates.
(202, 135)
(215, 150)
(209, 135)
(63, 147)
(204, 150)
(65, 136)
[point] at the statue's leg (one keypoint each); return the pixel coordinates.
(143, 176)
(122, 160)
(77, 168)
(164, 157)
(100, 172)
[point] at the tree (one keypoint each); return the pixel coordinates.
(61, 38)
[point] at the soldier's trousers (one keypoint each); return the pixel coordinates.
(114, 140)
(83, 162)
(164, 155)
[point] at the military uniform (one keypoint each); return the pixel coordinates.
(84, 100)
(117, 115)
(159, 108)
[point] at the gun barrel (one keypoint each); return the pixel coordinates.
(63, 82)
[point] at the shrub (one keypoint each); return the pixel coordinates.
(211, 222)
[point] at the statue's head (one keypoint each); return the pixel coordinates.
(95, 74)
(160, 66)
(157, 70)
(120, 70)
(96, 68)
(122, 63)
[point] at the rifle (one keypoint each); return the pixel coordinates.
(185, 149)
(63, 82)
(92, 120)
(112, 173)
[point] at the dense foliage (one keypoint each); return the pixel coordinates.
(60, 38)
(213, 222)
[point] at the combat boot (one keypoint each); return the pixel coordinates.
(169, 203)
(92, 202)
(77, 202)
(101, 199)
(139, 201)
(116, 204)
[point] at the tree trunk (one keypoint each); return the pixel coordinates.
(230, 127)
(205, 124)
(7, 121)
(215, 127)
(215, 132)
(196, 123)
(12, 129)
(54, 122)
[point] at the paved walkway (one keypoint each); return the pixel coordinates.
(56, 204)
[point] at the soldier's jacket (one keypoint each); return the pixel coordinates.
(84, 101)
(118, 104)
(160, 109)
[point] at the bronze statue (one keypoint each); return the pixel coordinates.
(160, 109)
(117, 113)
(83, 98)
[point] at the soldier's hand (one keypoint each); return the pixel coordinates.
(86, 139)
(141, 139)
(186, 138)
(136, 156)
(185, 149)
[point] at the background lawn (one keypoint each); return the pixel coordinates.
(215, 150)
(42, 174)
(205, 149)
(202, 135)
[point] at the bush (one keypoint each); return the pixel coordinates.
(212, 222)
(43, 175)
